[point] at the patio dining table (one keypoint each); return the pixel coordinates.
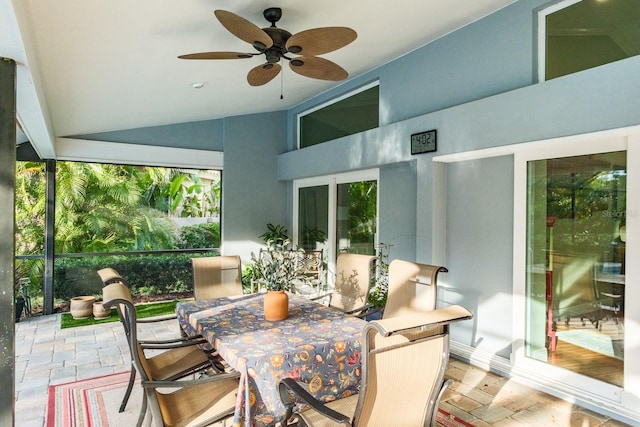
(316, 345)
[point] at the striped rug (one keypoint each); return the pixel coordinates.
(94, 402)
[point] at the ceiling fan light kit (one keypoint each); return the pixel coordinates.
(275, 43)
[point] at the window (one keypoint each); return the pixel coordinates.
(354, 113)
(578, 35)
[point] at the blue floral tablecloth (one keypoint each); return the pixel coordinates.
(315, 345)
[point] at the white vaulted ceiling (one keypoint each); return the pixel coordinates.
(103, 65)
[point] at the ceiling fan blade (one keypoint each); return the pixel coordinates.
(317, 41)
(263, 74)
(243, 29)
(217, 55)
(318, 68)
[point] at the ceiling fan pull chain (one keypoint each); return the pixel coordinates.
(281, 83)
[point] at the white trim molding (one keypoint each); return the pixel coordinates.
(83, 150)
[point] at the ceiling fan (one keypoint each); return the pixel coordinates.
(276, 44)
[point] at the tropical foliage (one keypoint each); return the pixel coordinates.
(276, 236)
(362, 211)
(111, 208)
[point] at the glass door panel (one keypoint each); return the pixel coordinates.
(576, 237)
(356, 217)
(313, 217)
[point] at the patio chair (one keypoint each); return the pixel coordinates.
(109, 275)
(354, 274)
(209, 398)
(403, 365)
(412, 287)
(609, 297)
(573, 288)
(312, 276)
(215, 277)
(181, 356)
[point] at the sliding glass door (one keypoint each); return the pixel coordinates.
(575, 306)
(337, 213)
(576, 211)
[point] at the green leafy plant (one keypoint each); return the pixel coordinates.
(276, 268)
(205, 235)
(380, 285)
(276, 236)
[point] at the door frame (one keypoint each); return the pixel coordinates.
(576, 384)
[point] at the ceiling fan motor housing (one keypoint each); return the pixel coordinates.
(279, 37)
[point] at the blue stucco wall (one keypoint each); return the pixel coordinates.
(201, 135)
(252, 195)
(397, 199)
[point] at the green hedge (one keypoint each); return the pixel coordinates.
(145, 274)
(205, 235)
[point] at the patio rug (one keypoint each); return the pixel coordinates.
(94, 402)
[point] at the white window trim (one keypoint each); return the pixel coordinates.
(300, 115)
(82, 150)
(542, 34)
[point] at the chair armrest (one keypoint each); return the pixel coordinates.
(369, 311)
(190, 383)
(197, 339)
(156, 318)
(324, 295)
(359, 309)
(289, 384)
(168, 344)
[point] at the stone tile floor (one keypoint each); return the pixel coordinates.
(46, 354)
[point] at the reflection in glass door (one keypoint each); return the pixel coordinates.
(313, 217)
(356, 217)
(575, 286)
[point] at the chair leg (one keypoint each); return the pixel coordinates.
(436, 404)
(143, 411)
(125, 399)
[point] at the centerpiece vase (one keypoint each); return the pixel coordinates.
(276, 305)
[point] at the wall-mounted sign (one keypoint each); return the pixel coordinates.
(423, 142)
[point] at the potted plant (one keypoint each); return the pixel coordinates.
(276, 236)
(19, 302)
(19, 297)
(275, 269)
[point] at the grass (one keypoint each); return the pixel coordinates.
(142, 310)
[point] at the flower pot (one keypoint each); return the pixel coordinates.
(100, 311)
(276, 305)
(19, 308)
(82, 307)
